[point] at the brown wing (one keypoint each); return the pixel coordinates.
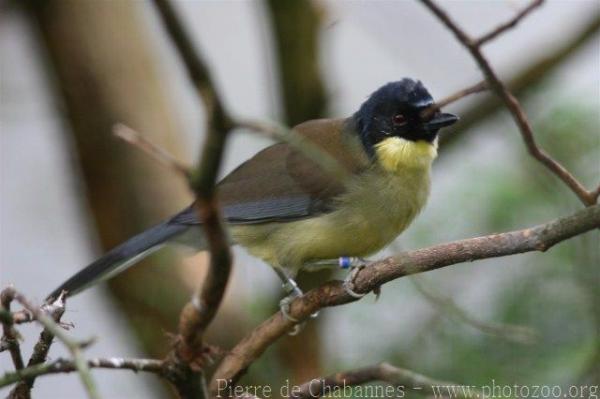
(279, 183)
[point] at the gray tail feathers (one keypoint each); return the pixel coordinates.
(120, 258)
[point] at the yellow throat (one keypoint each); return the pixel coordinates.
(395, 154)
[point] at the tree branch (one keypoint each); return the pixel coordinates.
(22, 316)
(521, 83)
(200, 311)
(40, 351)
(512, 104)
(67, 366)
(509, 24)
(10, 336)
(447, 307)
(316, 154)
(136, 139)
(476, 88)
(403, 379)
(52, 328)
(4, 345)
(539, 238)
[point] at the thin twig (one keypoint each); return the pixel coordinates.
(509, 24)
(404, 381)
(4, 345)
(22, 316)
(512, 104)
(136, 139)
(447, 307)
(476, 88)
(10, 336)
(66, 366)
(539, 238)
(73, 346)
(40, 351)
(524, 80)
(300, 143)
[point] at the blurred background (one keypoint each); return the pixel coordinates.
(69, 70)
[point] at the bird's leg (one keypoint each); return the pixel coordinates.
(355, 265)
(344, 262)
(293, 291)
(321, 264)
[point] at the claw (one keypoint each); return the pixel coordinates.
(293, 291)
(284, 306)
(349, 280)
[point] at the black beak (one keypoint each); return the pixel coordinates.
(439, 121)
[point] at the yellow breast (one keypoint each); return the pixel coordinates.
(396, 154)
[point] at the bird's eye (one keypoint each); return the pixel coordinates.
(399, 120)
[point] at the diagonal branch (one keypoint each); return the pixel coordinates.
(316, 154)
(538, 238)
(138, 140)
(447, 307)
(509, 24)
(402, 379)
(476, 88)
(524, 80)
(513, 106)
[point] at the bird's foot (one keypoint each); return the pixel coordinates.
(284, 304)
(356, 265)
(293, 291)
(284, 307)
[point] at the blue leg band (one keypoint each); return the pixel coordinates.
(345, 262)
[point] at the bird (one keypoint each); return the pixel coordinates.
(288, 211)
